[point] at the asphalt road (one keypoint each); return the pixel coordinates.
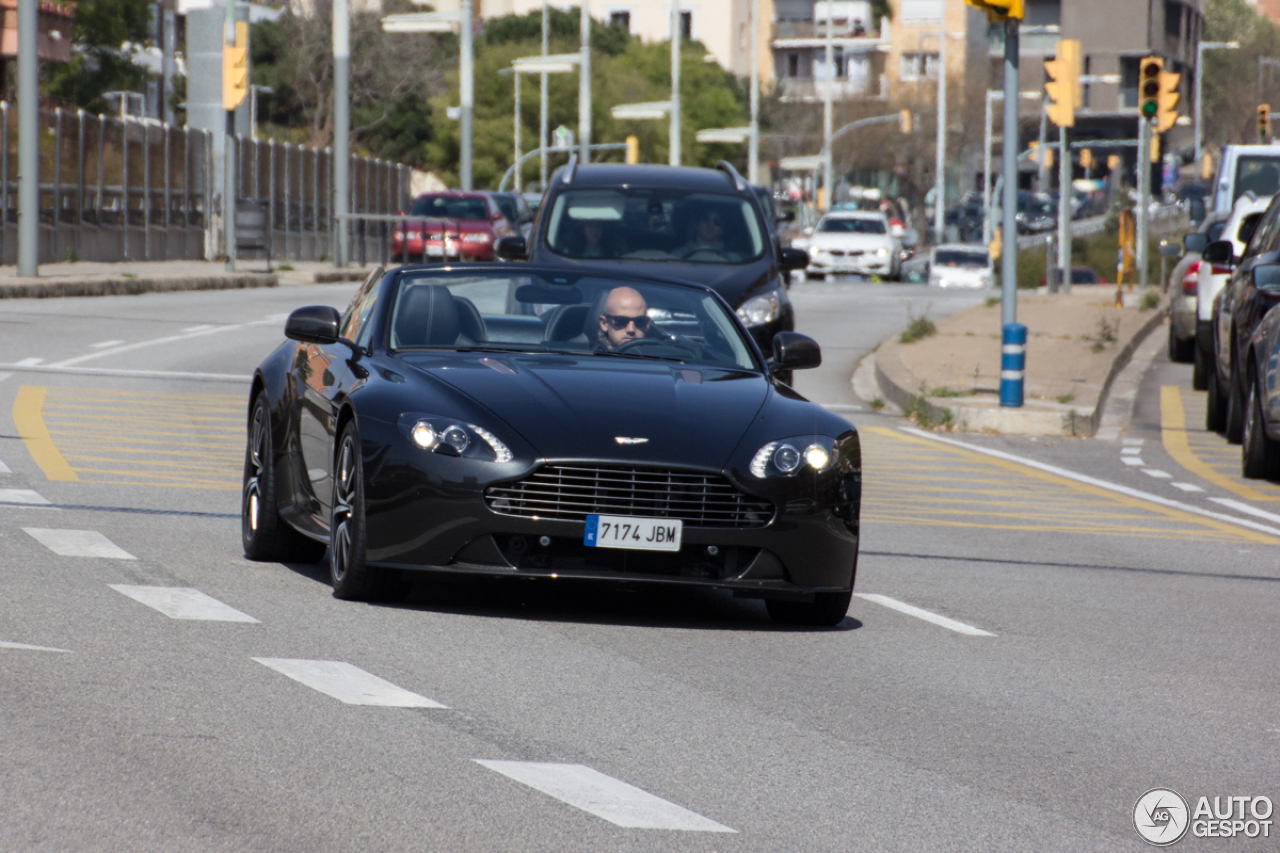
(1043, 633)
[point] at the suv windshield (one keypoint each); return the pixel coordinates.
(589, 315)
(449, 207)
(959, 258)
(1260, 174)
(655, 225)
(843, 225)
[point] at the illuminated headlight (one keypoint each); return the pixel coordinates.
(782, 458)
(424, 435)
(761, 309)
(454, 438)
(883, 251)
(477, 237)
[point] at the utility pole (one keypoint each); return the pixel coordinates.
(468, 99)
(542, 119)
(515, 74)
(28, 139)
(167, 32)
(753, 142)
(342, 128)
(1064, 211)
(826, 111)
(229, 145)
(584, 88)
(1144, 194)
(676, 36)
(940, 158)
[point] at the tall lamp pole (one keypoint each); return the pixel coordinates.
(28, 139)
(676, 36)
(1200, 49)
(584, 88)
(940, 159)
(542, 118)
(753, 143)
(827, 96)
(341, 128)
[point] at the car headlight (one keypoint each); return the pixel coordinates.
(883, 251)
(453, 438)
(791, 456)
(761, 309)
(477, 237)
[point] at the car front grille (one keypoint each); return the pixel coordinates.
(571, 493)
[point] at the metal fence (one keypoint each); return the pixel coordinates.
(116, 189)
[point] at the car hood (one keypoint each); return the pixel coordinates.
(576, 407)
(736, 283)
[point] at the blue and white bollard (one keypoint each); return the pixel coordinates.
(1013, 363)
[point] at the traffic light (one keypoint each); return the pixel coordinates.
(1264, 122)
(904, 121)
(235, 69)
(1167, 100)
(1149, 70)
(1113, 162)
(1206, 166)
(1155, 148)
(999, 10)
(633, 149)
(1062, 89)
(1086, 158)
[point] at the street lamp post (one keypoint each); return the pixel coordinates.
(542, 65)
(1200, 49)
(543, 93)
(443, 22)
(827, 96)
(28, 140)
(584, 88)
(940, 159)
(676, 35)
(753, 142)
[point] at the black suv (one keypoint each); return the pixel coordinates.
(698, 225)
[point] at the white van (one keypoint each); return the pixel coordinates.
(1244, 168)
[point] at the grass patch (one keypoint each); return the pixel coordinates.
(877, 403)
(1150, 300)
(1065, 398)
(72, 257)
(128, 275)
(917, 327)
(284, 267)
(992, 300)
(1107, 333)
(949, 392)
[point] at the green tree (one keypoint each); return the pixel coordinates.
(1230, 86)
(97, 63)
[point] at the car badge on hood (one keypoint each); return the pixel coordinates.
(622, 439)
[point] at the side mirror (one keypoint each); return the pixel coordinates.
(794, 351)
(910, 238)
(786, 216)
(1267, 277)
(1197, 211)
(315, 324)
(512, 248)
(1217, 253)
(1170, 250)
(792, 259)
(1195, 241)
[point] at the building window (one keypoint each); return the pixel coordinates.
(686, 26)
(916, 66)
(793, 65)
(621, 20)
(1172, 19)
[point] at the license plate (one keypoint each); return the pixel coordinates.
(637, 534)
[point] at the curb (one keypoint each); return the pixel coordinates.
(894, 380)
(341, 276)
(121, 286)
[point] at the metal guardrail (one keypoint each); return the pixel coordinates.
(1163, 219)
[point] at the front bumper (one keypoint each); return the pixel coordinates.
(440, 250)
(850, 265)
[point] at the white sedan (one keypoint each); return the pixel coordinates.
(960, 265)
(853, 242)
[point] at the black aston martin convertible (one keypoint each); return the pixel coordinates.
(512, 420)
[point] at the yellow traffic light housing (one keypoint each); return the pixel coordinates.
(904, 121)
(1167, 100)
(1155, 148)
(1086, 158)
(235, 69)
(633, 150)
(1062, 90)
(1264, 122)
(1149, 70)
(999, 10)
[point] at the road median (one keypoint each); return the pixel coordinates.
(1076, 345)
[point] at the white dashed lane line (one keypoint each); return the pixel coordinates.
(30, 648)
(1131, 460)
(347, 683)
(1157, 473)
(29, 362)
(1130, 451)
(603, 796)
(104, 344)
(183, 603)
(1187, 487)
(78, 543)
(926, 615)
(22, 496)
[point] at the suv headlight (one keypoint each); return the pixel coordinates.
(883, 251)
(789, 457)
(761, 309)
(452, 438)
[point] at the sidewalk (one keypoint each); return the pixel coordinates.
(89, 278)
(1076, 344)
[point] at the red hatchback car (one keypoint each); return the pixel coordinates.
(462, 225)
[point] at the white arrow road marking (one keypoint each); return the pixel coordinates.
(183, 603)
(603, 796)
(347, 683)
(78, 543)
(21, 496)
(4, 645)
(4, 469)
(926, 615)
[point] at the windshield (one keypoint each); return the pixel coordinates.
(655, 225)
(960, 258)
(563, 313)
(449, 207)
(507, 205)
(1260, 174)
(842, 225)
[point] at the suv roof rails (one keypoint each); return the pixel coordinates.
(738, 183)
(570, 170)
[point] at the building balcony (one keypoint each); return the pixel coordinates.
(809, 90)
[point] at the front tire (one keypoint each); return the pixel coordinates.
(826, 610)
(352, 577)
(1200, 372)
(1180, 351)
(1235, 406)
(1215, 413)
(267, 537)
(1260, 459)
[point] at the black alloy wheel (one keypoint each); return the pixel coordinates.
(264, 535)
(1215, 413)
(1235, 404)
(1200, 372)
(1180, 351)
(1260, 459)
(353, 579)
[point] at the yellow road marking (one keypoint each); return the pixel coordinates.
(29, 419)
(1173, 432)
(1113, 498)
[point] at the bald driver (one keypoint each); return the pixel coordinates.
(623, 319)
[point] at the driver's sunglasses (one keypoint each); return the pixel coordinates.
(620, 322)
